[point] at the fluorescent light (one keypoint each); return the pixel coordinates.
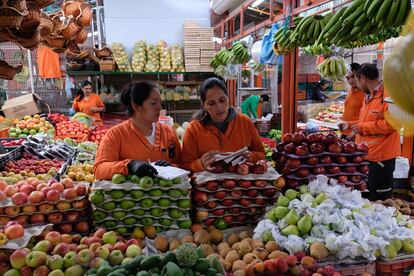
(257, 3)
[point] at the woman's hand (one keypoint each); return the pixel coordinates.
(208, 158)
(96, 109)
(248, 155)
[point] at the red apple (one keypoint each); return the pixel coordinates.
(235, 210)
(349, 169)
(269, 193)
(14, 232)
(80, 190)
(314, 138)
(99, 232)
(65, 228)
(293, 164)
(12, 211)
(236, 193)
(200, 197)
(54, 237)
(312, 161)
(52, 195)
(19, 198)
(70, 193)
(260, 183)
(357, 159)
(220, 194)
(67, 182)
(37, 218)
(72, 216)
(363, 147)
(229, 184)
(58, 186)
(318, 170)
(298, 138)
(356, 178)
(287, 138)
(341, 159)
(11, 190)
(242, 218)
(10, 223)
(245, 184)
(243, 169)
(349, 147)
(260, 201)
(231, 169)
(326, 160)
(82, 227)
(28, 209)
(209, 221)
(252, 193)
(342, 178)
(335, 148)
(55, 217)
(46, 207)
(80, 204)
(228, 219)
(227, 202)
(27, 189)
(22, 219)
(302, 172)
(334, 170)
(210, 205)
(212, 186)
(218, 212)
(286, 171)
(3, 196)
(316, 148)
(289, 148)
(363, 169)
(36, 197)
(301, 150)
(331, 138)
(245, 202)
(41, 186)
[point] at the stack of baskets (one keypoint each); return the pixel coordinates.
(106, 61)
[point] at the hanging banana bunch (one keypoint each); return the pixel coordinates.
(334, 68)
(240, 53)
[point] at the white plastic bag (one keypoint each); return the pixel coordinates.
(402, 168)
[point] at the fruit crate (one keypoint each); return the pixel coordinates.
(394, 268)
(12, 155)
(351, 270)
(4, 132)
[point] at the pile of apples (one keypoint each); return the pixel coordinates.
(58, 254)
(58, 118)
(71, 128)
(12, 143)
(98, 134)
(83, 172)
(31, 126)
(232, 202)
(300, 157)
(11, 231)
(29, 163)
(260, 167)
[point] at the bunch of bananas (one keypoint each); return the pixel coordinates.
(318, 49)
(285, 39)
(220, 70)
(240, 53)
(387, 13)
(333, 68)
(256, 67)
(309, 28)
(374, 38)
(223, 57)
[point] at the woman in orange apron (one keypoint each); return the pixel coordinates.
(89, 103)
(129, 147)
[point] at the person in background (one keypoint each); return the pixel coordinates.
(218, 128)
(129, 147)
(318, 89)
(249, 105)
(89, 102)
(372, 128)
(353, 101)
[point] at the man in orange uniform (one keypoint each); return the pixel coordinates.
(129, 147)
(372, 128)
(353, 101)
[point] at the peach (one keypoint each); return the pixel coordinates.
(67, 182)
(36, 197)
(58, 186)
(14, 232)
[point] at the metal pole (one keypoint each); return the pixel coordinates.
(29, 59)
(93, 28)
(98, 24)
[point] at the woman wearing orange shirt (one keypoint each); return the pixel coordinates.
(218, 128)
(128, 147)
(89, 103)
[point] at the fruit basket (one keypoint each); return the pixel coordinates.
(394, 268)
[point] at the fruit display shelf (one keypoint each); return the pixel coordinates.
(157, 202)
(229, 199)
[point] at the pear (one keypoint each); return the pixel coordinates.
(408, 246)
(303, 189)
(321, 198)
(305, 224)
(391, 253)
(280, 212)
(291, 194)
(282, 201)
(397, 244)
(271, 215)
(267, 236)
(292, 217)
(290, 230)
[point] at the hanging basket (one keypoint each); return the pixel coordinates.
(46, 25)
(32, 20)
(70, 29)
(81, 37)
(58, 50)
(73, 48)
(11, 17)
(57, 23)
(28, 40)
(103, 52)
(43, 3)
(72, 8)
(8, 71)
(85, 17)
(56, 41)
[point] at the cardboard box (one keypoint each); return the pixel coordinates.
(21, 106)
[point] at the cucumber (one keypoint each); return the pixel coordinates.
(201, 265)
(150, 262)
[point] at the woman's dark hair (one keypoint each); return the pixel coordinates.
(323, 82)
(204, 87)
(136, 93)
(80, 93)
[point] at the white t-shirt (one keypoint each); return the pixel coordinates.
(151, 138)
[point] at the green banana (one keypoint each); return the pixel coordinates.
(310, 31)
(383, 10)
(373, 8)
(317, 30)
(306, 24)
(361, 20)
(332, 66)
(350, 19)
(351, 9)
(338, 69)
(392, 14)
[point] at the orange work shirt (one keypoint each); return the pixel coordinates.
(125, 142)
(85, 106)
(382, 139)
(352, 107)
(200, 139)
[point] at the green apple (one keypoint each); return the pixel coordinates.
(118, 178)
(146, 182)
(184, 203)
(390, 251)
(156, 192)
(164, 202)
(185, 192)
(122, 230)
(119, 214)
(115, 258)
(135, 179)
(109, 237)
(99, 215)
(55, 262)
(176, 180)
(85, 256)
(117, 194)
(110, 224)
(109, 206)
(12, 272)
(69, 259)
(138, 212)
(397, 244)
(44, 246)
(102, 252)
(127, 204)
(126, 261)
(174, 193)
(130, 221)
(408, 246)
(97, 197)
(136, 194)
(303, 189)
(156, 212)
(175, 213)
(185, 224)
(165, 183)
(160, 229)
(133, 250)
(129, 176)
(36, 258)
(57, 272)
(75, 270)
(147, 221)
(165, 222)
(147, 203)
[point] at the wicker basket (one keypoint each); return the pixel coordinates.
(43, 3)
(103, 52)
(46, 25)
(32, 20)
(8, 71)
(81, 37)
(85, 17)
(11, 17)
(72, 8)
(59, 50)
(57, 23)
(29, 40)
(107, 64)
(20, 5)
(74, 66)
(70, 29)
(56, 41)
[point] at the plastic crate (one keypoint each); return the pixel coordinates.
(394, 268)
(351, 270)
(77, 138)
(269, 142)
(11, 155)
